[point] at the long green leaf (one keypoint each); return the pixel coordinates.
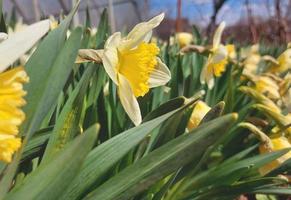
(47, 57)
(49, 180)
(103, 157)
(43, 89)
(162, 162)
(68, 122)
(55, 81)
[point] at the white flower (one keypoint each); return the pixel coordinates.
(217, 59)
(132, 64)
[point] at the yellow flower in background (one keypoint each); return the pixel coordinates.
(11, 116)
(274, 144)
(285, 91)
(199, 111)
(284, 62)
(260, 98)
(53, 23)
(132, 64)
(217, 59)
(252, 59)
(184, 38)
(231, 51)
(267, 86)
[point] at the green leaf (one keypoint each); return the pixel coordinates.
(161, 162)
(282, 169)
(260, 185)
(223, 170)
(49, 181)
(44, 69)
(3, 27)
(38, 68)
(104, 156)
(67, 126)
(52, 85)
(103, 30)
(36, 144)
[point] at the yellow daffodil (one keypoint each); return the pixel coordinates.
(184, 38)
(132, 64)
(269, 145)
(275, 144)
(217, 59)
(11, 99)
(11, 89)
(283, 62)
(252, 59)
(267, 86)
(260, 98)
(199, 111)
(285, 91)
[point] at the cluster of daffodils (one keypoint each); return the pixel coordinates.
(269, 86)
(12, 47)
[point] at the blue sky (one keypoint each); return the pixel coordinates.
(199, 11)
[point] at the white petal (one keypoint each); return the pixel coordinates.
(148, 37)
(113, 41)
(218, 34)
(3, 36)
(110, 56)
(128, 100)
(110, 62)
(160, 76)
(206, 75)
(210, 82)
(140, 32)
(20, 42)
(219, 54)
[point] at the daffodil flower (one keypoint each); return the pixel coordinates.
(252, 59)
(132, 64)
(184, 38)
(198, 113)
(285, 91)
(274, 144)
(283, 62)
(217, 59)
(11, 99)
(268, 145)
(11, 86)
(268, 86)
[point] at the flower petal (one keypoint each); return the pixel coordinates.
(160, 76)
(218, 34)
(110, 56)
(140, 32)
(128, 100)
(219, 54)
(206, 75)
(110, 62)
(3, 36)
(148, 37)
(20, 42)
(113, 41)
